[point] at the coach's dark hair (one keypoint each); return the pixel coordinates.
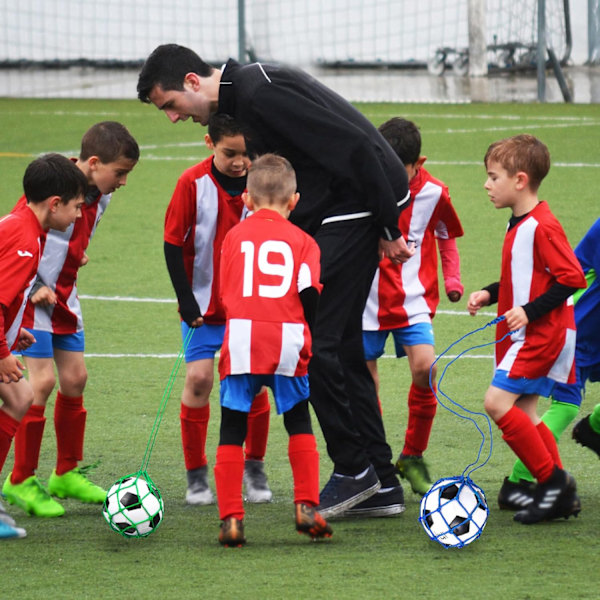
(109, 141)
(404, 138)
(524, 153)
(167, 66)
(221, 125)
(53, 175)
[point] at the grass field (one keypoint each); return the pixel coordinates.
(132, 343)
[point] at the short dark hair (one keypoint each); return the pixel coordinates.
(109, 141)
(521, 153)
(167, 66)
(404, 138)
(221, 125)
(53, 175)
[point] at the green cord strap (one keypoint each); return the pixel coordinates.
(164, 400)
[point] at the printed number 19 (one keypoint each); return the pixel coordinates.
(284, 270)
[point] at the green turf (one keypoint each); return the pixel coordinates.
(78, 556)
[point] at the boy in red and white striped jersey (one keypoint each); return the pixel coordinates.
(53, 314)
(54, 191)
(404, 297)
(538, 276)
(270, 286)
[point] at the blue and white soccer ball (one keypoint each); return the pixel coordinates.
(133, 506)
(454, 512)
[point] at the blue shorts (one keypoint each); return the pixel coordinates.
(46, 342)
(374, 341)
(522, 385)
(573, 393)
(238, 391)
(205, 342)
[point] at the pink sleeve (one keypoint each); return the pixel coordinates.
(450, 265)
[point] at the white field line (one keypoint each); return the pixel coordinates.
(172, 301)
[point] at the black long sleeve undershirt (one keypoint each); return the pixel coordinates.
(543, 304)
(188, 307)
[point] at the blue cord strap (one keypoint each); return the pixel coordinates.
(468, 470)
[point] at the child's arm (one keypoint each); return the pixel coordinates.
(451, 268)
(310, 300)
(188, 307)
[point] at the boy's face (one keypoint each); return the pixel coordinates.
(63, 215)
(108, 177)
(230, 155)
(500, 186)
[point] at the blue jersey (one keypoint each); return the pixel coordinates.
(587, 306)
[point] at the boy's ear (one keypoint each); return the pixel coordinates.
(209, 142)
(53, 203)
(420, 162)
(249, 203)
(521, 180)
(93, 162)
(293, 201)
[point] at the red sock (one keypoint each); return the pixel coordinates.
(8, 428)
(194, 425)
(69, 424)
(258, 427)
(523, 437)
(550, 442)
(422, 407)
(229, 472)
(28, 441)
(304, 459)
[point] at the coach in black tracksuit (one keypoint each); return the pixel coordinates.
(352, 187)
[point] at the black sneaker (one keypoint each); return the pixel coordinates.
(342, 492)
(387, 502)
(516, 496)
(553, 499)
(584, 434)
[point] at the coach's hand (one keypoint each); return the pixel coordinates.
(396, 250)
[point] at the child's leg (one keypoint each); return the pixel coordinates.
(557, 418)
(17, 397)
(195, 411)
(258, 426)
(229, 466)
(519, 432)
(595, 419)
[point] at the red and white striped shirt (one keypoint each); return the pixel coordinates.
(58, 270)
(406, 294)
(199, 215)
(266, 262)
(535, 255)
(21, 246)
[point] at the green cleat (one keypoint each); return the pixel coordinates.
(75, 484)
(414, 470)
(31, 496)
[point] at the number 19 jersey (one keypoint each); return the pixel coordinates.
(265, 263)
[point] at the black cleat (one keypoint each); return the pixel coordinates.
(516, 496)
(584, 434)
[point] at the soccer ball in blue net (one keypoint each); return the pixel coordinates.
(454, 512)
(133, 506)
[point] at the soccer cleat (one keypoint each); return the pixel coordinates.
(516, 496)
(198, 492)
(8, 532)
(414, 470)
(255, 482)
(310, 522)
(32, 497)
(75, 484)
(553, 499)
(584, 434)
(387, 502)
(232, 533)
(5, 517)
(342, 492)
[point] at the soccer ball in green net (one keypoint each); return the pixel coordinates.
(133, 506)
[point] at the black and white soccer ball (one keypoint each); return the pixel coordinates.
(454, 512)
(133, 506)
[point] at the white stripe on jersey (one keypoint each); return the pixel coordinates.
(562, 367)
(207, 210)
(292, 342)
(240, 332)
(521, 266)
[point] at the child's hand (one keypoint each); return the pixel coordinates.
(11, 369)
(26, 339)
(84, 260)
(396, 250)
(477, 300)
(454, 296)
(44, 296)
(516, 318)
